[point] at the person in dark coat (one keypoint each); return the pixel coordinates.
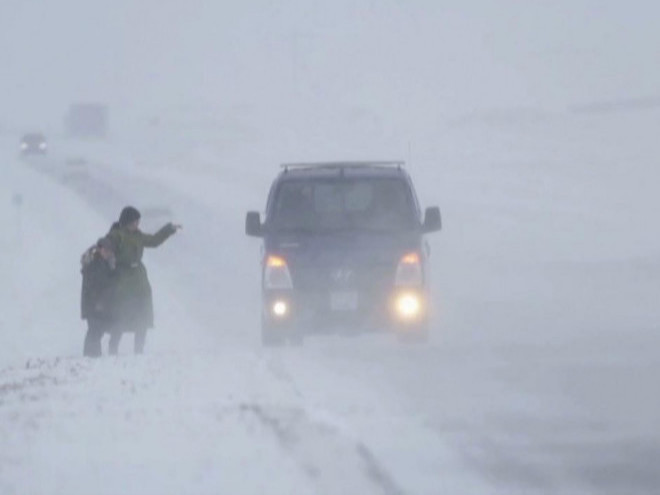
(97, 304)
(134, 299)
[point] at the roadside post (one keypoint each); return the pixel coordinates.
(17, 201)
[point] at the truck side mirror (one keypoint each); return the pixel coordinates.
(253, 225)
(432, 220)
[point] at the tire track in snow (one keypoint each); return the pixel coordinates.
(289, 425)
(309, 442)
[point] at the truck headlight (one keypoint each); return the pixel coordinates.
(276, 273)
(408, 306)
(409, 271)
(280, 308)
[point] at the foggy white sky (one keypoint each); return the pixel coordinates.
(412, 60)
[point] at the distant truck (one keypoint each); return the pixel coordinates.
(87, 120)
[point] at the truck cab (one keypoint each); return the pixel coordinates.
(344, 248)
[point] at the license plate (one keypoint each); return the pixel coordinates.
(344, 300)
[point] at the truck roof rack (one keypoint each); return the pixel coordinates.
(344, 165)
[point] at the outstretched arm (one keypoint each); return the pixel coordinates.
(155, 240)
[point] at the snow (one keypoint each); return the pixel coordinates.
(534, 128)
(533, 381)
(46, 231)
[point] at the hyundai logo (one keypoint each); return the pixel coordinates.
(342, 275)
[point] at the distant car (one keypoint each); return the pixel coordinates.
(343, 247)
(33, 143)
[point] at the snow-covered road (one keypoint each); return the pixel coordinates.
(539, 377)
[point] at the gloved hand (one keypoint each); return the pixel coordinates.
(172, 227)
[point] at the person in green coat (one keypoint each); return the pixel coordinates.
(133, 291)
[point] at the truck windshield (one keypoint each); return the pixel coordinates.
(382, 204)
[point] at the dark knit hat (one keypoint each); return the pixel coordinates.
(128, 216)
(105, 243)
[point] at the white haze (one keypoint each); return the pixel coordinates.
(533, 125)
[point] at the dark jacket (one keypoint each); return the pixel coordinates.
(99, 278)
(134, 299)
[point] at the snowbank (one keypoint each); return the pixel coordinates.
(46, 230)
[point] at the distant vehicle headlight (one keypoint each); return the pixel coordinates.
(24, 146)
(43, 146)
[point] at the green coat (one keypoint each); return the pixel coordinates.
(133, 291)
